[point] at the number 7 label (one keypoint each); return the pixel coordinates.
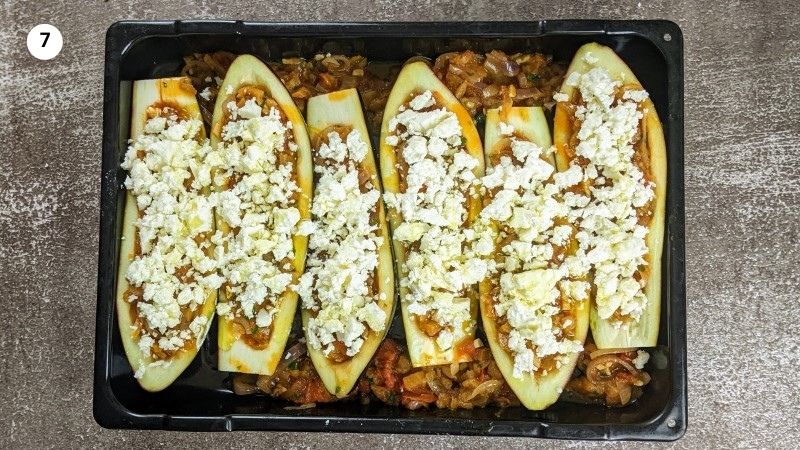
(45, 41)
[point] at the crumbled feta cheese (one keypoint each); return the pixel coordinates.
(259, 208)
(615, 242)
(443, 265)
(573, 79)
(422, 101)
(392, 140)
(641, 359)
(636, 96)
(173, 214)
(527, 203)
(343, 251)
(560, 97)
(223, 308)
(206, 93)
(506, 129)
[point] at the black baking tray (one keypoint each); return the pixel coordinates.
(202, 399)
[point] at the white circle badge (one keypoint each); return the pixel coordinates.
(45, 41)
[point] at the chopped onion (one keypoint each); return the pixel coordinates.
(607, 351)
(244, 384)
(485, 388)
(595, 365)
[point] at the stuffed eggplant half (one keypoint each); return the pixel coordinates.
(431, 160)
(167, 281)
(607, 130)
(263, 191)
(533, 303)
(347, 290)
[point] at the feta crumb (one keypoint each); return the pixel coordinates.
(172, 216)
(343, 250)
(615, 243)
(422, 101)
(641, 359)
(206, 93)
(637, 96)
(442, 265)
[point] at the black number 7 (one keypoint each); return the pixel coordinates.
(46, 35)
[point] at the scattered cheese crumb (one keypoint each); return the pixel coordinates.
(560, 97)
(506, 129)
(641, 359)
(343, 251)
(172, 216)
(442, 266)
(206, 93)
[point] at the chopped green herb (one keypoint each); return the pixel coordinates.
(254, 330)
(392, 399)
(294, 365)
(532, 77)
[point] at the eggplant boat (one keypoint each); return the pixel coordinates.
(263, 192)
(431, 159)
(607, 129)
(167, 281)
(533, 306)
(347, 290)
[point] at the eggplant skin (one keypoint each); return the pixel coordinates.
(536, 392)
(643, 333)
(414, 78)
(235, 355)
(177, 91)
(344, 108)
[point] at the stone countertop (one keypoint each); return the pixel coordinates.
(742, 214)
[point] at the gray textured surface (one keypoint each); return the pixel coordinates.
(742, 204)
